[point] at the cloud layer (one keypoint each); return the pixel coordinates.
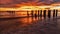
(12, 3)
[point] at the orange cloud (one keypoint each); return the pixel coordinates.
(5, 1)
(17, 3)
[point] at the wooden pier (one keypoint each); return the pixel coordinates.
(38, 13)
(42, 13)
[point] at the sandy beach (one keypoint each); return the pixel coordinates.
(30, 25)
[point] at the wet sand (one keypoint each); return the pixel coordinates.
(30, 26)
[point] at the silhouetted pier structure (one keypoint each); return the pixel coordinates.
(49, 13)
(44, 13)
(41, 13)
(38, 13)
(27, 13)
(11, 12)
(56, 13)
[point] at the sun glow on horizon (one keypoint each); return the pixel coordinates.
(29, 8)
(33, 7)
(57, 7)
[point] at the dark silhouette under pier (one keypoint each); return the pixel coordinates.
(41, 13)
(49, 13)
(56, 13)
(44, 13)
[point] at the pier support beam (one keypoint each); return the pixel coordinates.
(12, 13)
(41, 13)
(49, 13)
(44, 13)
(38, 13)
(28, 13)
(35, 13)
(32, 13)
(54, 13)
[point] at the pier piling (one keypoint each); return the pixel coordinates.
(44, 13)
(38, 13)
(54, 13)
(49, 13)
(41, 13)
(32, 13)
(35, 13)
(28, 13)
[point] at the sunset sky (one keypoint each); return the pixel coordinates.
(14, 3)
